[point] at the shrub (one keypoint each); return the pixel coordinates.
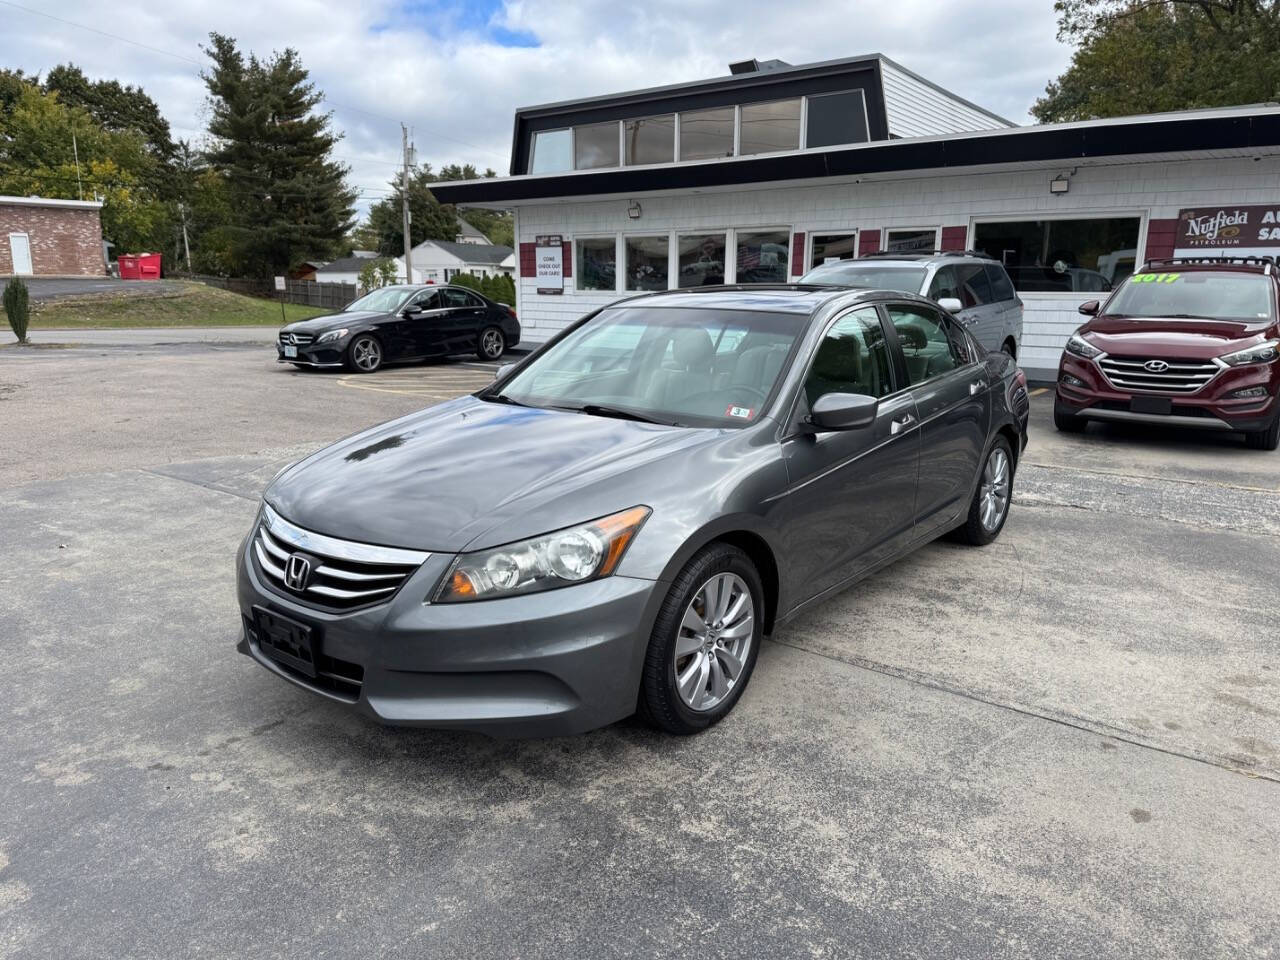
(17, 307)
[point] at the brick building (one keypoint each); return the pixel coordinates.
(50, 238)
(760, 175)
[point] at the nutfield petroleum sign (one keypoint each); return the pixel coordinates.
(1250, 226)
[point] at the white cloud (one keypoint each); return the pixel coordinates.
(458, 88)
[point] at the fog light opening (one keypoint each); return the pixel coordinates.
(1250, 393)
(1071, 381)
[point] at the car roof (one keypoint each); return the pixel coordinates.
(1263, 265)
(930, 256)
(798, 298)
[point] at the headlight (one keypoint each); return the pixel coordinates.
(588, 551)
(1264, 352)
(1081, 347)
(332, 335)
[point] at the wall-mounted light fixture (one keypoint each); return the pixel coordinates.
(634, 211)
(1059, 184)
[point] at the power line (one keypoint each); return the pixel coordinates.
(198, 63)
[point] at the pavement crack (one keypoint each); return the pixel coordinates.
(199, 483)
(1082, 724)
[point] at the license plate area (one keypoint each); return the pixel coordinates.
(1158, 405)
(286, 640)
(290, 352)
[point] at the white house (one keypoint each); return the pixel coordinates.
(469, 234)
(761, 174)
(439, 261)
(347, 270)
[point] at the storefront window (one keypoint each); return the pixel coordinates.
(706, 133)
(701, 259)
(647, 263)
(650, 140)
(595, 145)
(552, 151)
(836, 118)
(912, 241)
(833, 246)
(597, 263)
(1070, 256)
(762, 256)
(770, 126)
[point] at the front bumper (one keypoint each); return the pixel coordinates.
(545, 664)
(1209, 408)
(314, 355)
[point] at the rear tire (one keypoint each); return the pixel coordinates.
(1265, 439)
(1067, 422)
(492, 344)
(687, 635)
(989, 508)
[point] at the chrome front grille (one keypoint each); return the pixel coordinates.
(1157, 375)
(296, 339)
(338, 574)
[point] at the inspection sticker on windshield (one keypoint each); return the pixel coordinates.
(1156, 277)
(744, 413)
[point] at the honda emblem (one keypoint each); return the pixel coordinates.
(297, 572)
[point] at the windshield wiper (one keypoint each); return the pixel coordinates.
(600, 410)
(503, 398)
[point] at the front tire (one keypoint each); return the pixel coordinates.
(704, 643)
(1067, 422)
(365, 354)
(1268, 439)
(492, 344)
(990, 505)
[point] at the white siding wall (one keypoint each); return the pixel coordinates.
(1142, 189)
(916, 109)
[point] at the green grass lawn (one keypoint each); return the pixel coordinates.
(194, 306)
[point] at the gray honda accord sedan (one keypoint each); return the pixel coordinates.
(615, 524)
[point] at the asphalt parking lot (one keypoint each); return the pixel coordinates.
(1064, 745)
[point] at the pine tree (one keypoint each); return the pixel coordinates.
(289, 198)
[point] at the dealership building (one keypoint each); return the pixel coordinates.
(761, 174)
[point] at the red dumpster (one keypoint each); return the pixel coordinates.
(139, 266)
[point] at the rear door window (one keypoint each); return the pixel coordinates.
(930, 346)
(1001, 285)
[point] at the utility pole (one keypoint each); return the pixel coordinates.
(182, 210)
(75, 151)
(404, 203)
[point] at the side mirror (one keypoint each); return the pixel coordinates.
(503, 371)
(412, 313)
(1090, 308)
(843, 411)
(951, 304)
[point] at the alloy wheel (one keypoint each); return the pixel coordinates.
(366, 354)
(994, 492)
(491, 344)
(714, 641)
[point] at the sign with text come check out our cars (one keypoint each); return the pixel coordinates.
(548, 258)
(1245, 226)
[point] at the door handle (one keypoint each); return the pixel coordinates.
(898, 424)
(976, 387)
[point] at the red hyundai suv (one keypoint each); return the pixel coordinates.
(1183, 342)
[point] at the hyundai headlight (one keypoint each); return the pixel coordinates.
(1263, 352)
(1081, 347)
(332, 335)
(588, 551)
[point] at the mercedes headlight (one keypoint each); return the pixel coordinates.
(332, 335)
(1081, 347)
(588, 551)
(1263, 352)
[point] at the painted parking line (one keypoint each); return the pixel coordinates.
(1039, 390)
(425, 384)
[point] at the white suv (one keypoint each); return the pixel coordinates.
(970, 285)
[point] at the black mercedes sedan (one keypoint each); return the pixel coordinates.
(401, 323)
(615, 524)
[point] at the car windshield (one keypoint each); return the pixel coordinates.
(693, 367)
(1214, 294)
(386, 300)
(877, 276)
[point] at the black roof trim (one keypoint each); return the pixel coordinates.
(1067, 143)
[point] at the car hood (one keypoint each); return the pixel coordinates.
(1173, 337)
(332, 321)
(472, 474)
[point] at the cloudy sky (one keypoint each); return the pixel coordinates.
(455, 71)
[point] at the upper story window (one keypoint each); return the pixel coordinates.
(552, 151)
(707, 133)
(649, 140)
(595, 145)
(836, 118)
(767, 127)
